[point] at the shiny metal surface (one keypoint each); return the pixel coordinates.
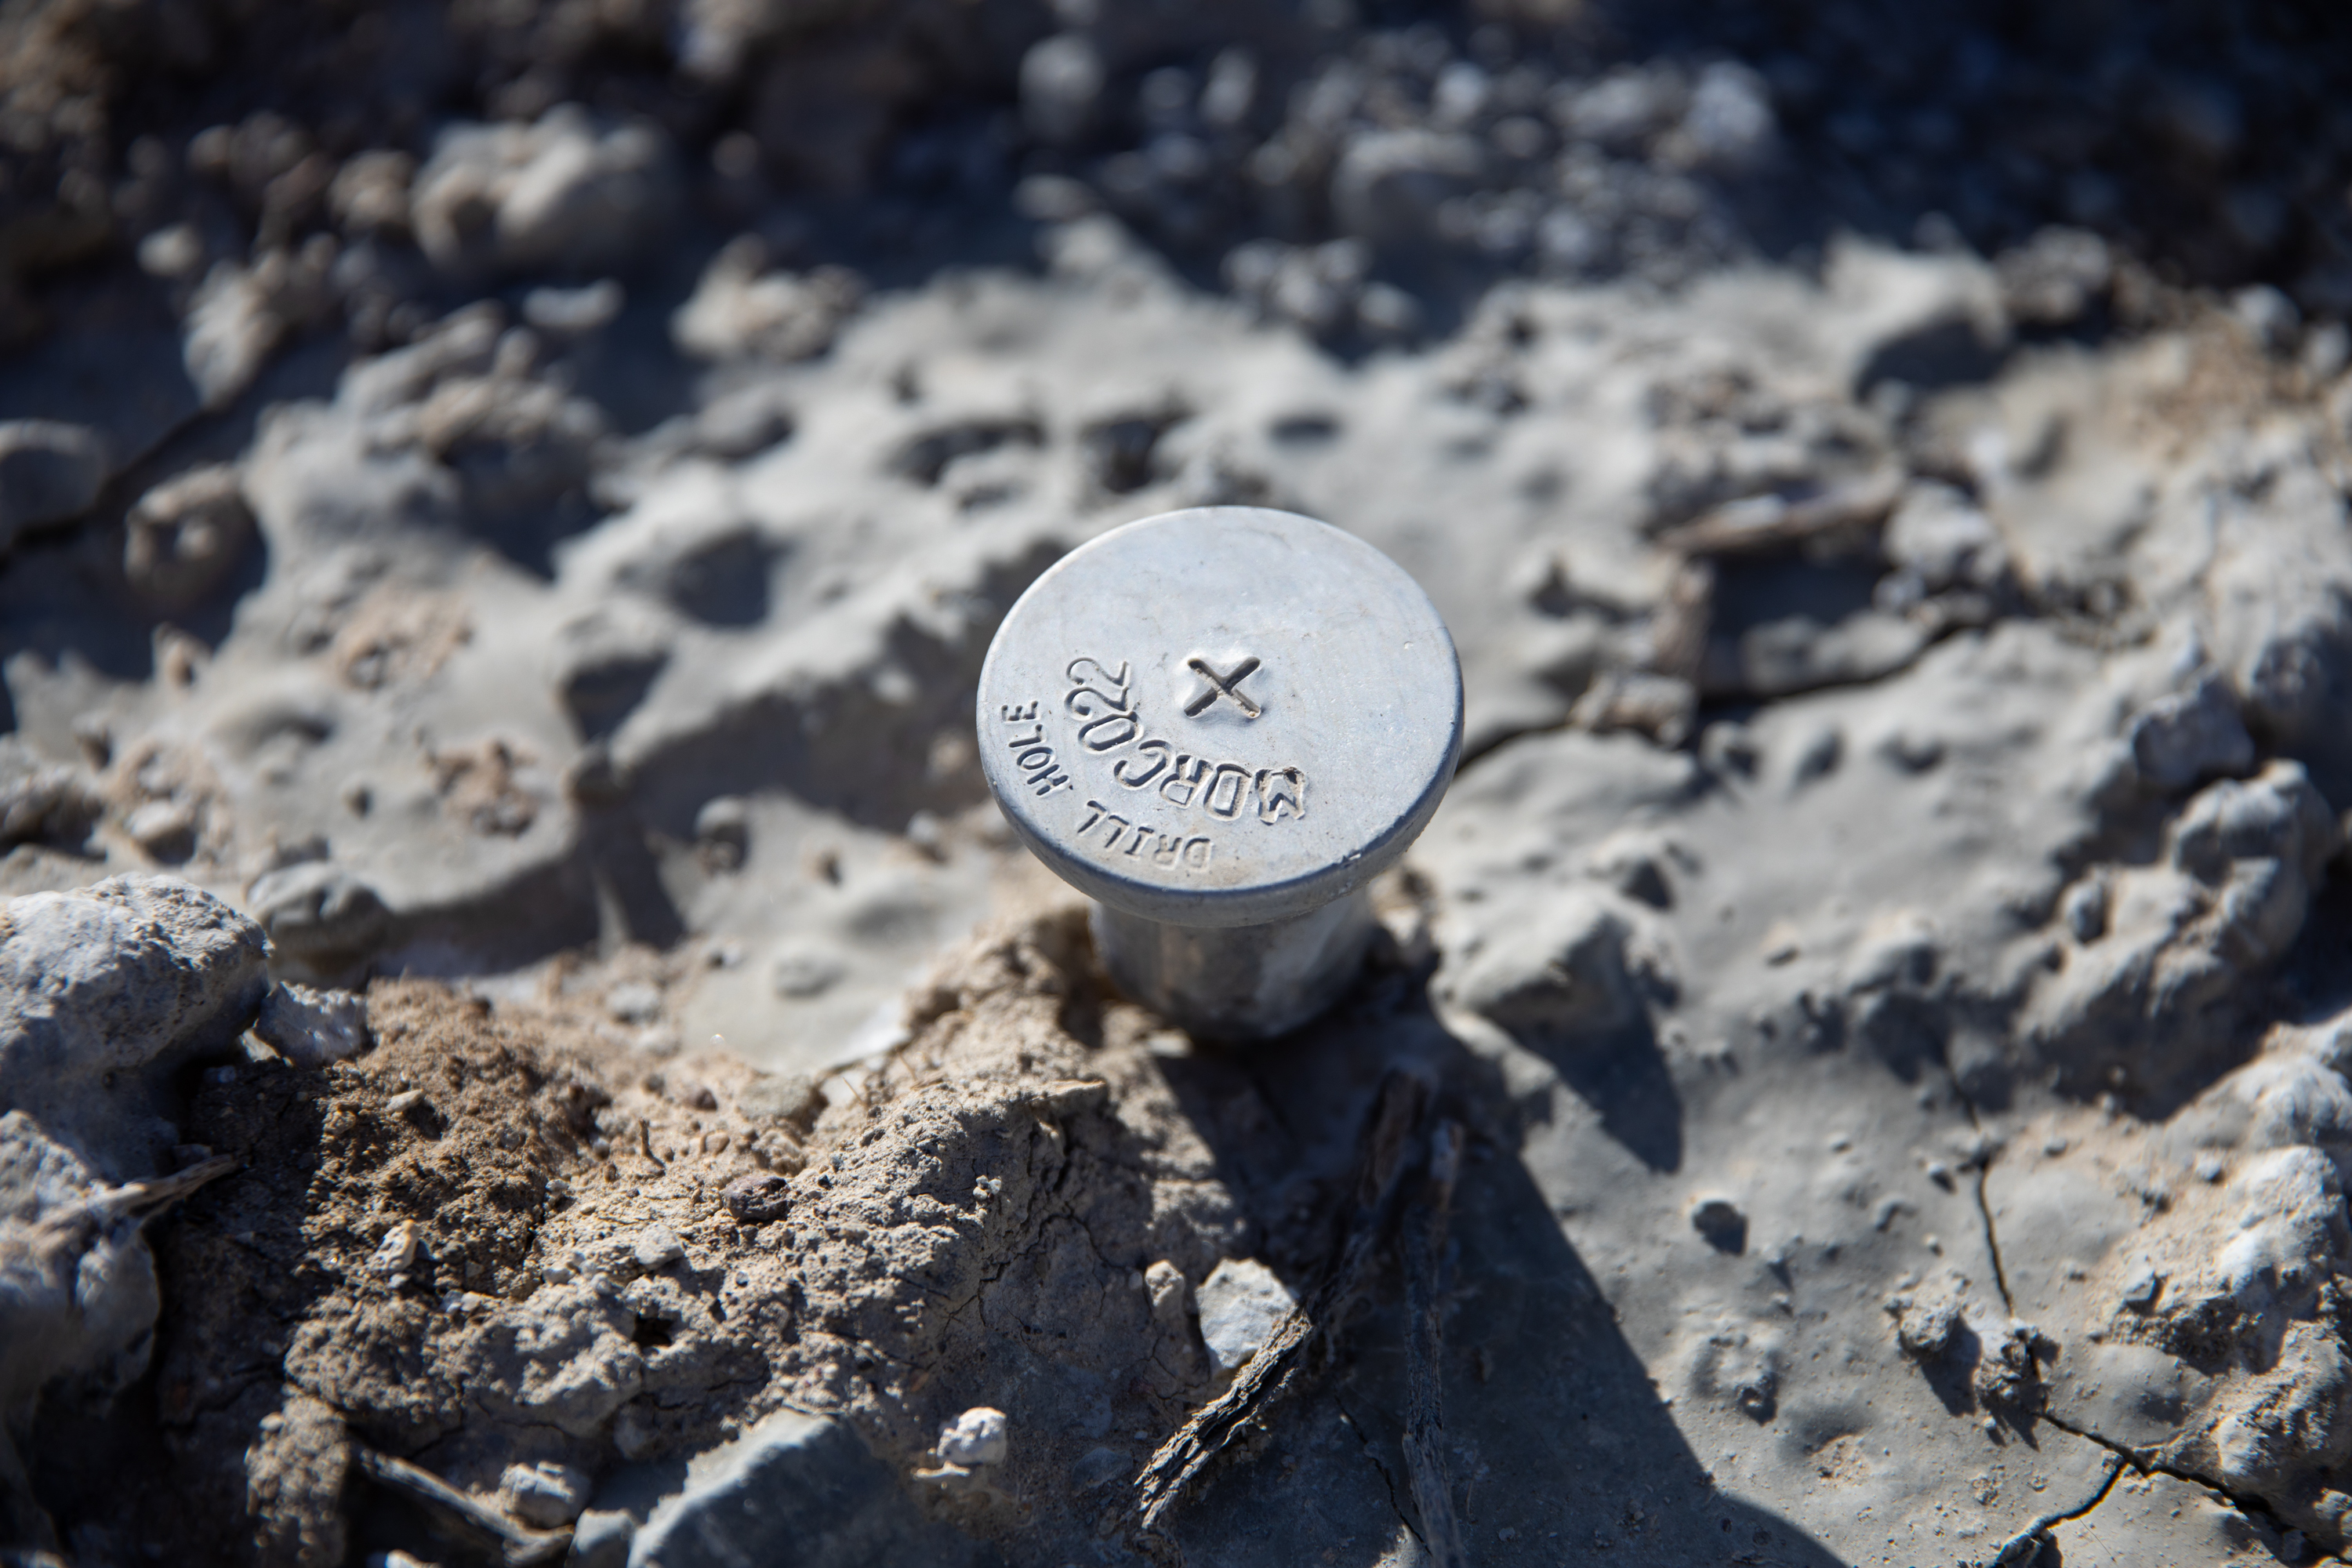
(1220, 724)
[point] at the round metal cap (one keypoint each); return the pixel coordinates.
(1219, 717)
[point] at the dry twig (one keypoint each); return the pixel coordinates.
(1274, 1370)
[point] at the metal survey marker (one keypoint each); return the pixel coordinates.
(1219, 718)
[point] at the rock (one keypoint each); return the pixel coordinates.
(1720, 1221)
(1944, 541)
(978, 1437)
(574, 312)
(757, 1198)
(740, 312)
(566, 1358)
(546, 1495)
(1563, 970)
(78, 1291)
(658, 1247)
(722, 829)
(370, 195)
(104, 992)
(2189, 737)
(2290, 1223)
(568, 193)
(1240, 1302)
(311, 1028)
(2152, 989)
(795, 1487)
(166, 829)
(43, 802)
(600, 1538)
(396, 1253)
(50, 472)
(184, 537)
(2055, 278)
(320, 915)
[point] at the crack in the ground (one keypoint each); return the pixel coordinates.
(2015, 1553)
(2146, 1466)
(1396, 1502)
(1993, 1239)
(2023, 1547)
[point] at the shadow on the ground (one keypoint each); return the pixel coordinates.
(1559, 1446)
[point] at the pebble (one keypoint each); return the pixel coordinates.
(1240, 1302)
(658, 1247)
(757, 1198)
(397, 1251)
(978, 1437)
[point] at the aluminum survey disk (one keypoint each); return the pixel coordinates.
(1219, 717)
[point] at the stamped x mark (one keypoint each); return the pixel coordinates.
(1221, 686)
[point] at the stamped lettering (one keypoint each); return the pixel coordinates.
(1031, 753)
(1110, 725)
(1116, 837)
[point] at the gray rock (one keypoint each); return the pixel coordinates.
(568, 193)
(1944, 539)
(320, 915)
(2191, 736)
(566, 1357)
(106, 990)
(1240, 1302)
(742, 311)
(49, 472)
(546, 1494)
(1565, 968)
(78, 1291)
(978, 1437)
(184, 537)
(798, 1489)
(311, 1028)
(601, 1539)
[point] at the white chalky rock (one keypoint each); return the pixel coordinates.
(547, 1494)
(658, 1247)
(397, 1251)
(2290, 1224)
(1240, 1302)
(311, 1028)
(978, 1437)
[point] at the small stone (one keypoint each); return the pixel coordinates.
(183, 538)
(165, 828)
(1719, 1220)
(407, 1101)
(311, 1028)
(978, 1437)
(397, 1251)
(759, 1198)
(1240, 1302)
(658, 1247)
(602, 1538)
(2140, 1292)
(546, 1495)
